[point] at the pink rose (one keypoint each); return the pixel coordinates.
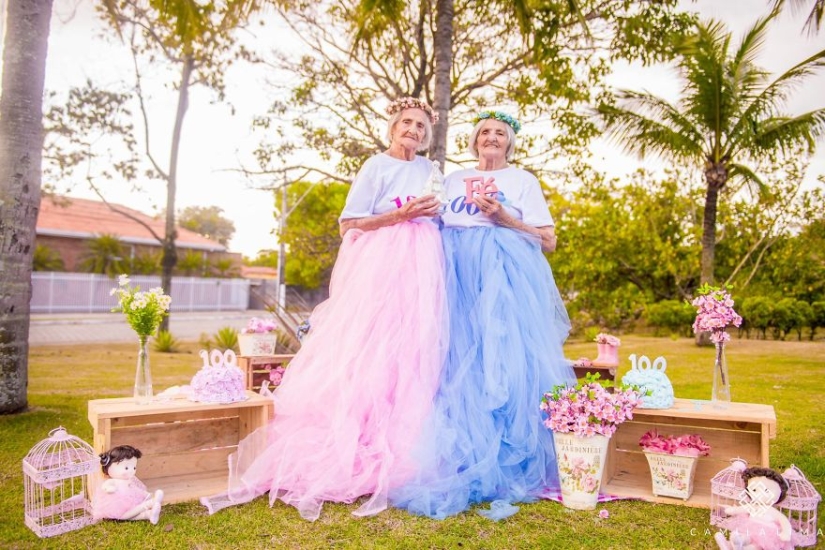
(589, 483)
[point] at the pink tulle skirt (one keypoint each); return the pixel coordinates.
(762, 534)
(354, 398)
(115, 505)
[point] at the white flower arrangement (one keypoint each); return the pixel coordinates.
(143, 310)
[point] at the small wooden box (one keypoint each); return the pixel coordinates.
(604, 372)
(185, 445)
(255, 367)
(742, 430)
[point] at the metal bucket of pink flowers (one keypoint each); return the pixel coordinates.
(672, 461)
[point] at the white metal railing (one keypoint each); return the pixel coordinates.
(54, 292)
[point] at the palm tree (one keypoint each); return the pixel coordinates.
(814, 21)
(21, 143)
(192, 263)
(730, 113)
(46, 259)
(104, 256)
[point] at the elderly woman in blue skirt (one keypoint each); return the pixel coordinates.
(485, 440)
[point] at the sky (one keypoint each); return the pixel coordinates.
(215, 132)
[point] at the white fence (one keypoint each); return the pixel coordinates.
(54, 292)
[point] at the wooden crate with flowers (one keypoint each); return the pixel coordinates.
(730, 429)
(741, 429)
(264, 356)
(269, 369)
(605, 364)
(672, 461)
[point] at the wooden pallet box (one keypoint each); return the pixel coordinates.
(185, 445)
(742, 430)
(257, 368)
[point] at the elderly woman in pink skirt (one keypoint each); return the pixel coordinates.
(355, 396)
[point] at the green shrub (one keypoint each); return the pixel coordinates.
(284, 342)
(817, 317)
(46, 259)
(226, 338)
(591, 332)
(804, 317)
(673, 317)
(784, 318)
(204, 341)
(164, 342)
(756, 312)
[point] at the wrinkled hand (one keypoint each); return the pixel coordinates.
(426, 206)
(489, 206)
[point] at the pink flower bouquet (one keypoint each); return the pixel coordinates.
(610, 340)
(582, 363)
(714, 313)
(683, 445)
(276, 373)
(257, 325)
(588, 408)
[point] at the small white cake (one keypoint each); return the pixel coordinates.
(219, 380)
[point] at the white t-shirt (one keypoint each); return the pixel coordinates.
(385, 183)
(518, 191)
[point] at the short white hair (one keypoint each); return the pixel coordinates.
(428, 129)
(511, 139)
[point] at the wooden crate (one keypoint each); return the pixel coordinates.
(742, 430)
(604, 372)
(185, 445)
(255, 368)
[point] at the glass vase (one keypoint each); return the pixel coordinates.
(721, 381)
(143, 376)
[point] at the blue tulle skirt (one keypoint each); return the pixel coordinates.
(485, 440)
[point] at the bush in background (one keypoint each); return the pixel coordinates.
(670, 317)
(226, 338)
(164, 342)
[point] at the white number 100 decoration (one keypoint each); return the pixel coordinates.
(643, 363)
(218, 358)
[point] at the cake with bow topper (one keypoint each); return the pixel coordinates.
(651, 380)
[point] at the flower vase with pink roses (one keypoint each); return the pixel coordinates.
(582, 418)
(672, 461)
(714, 313)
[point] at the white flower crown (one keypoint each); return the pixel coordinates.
(412, 103)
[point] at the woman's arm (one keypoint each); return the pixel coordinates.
(426, 206)
(493, 210)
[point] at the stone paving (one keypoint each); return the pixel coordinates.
(80, 328)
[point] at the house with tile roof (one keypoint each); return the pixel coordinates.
(67, 224)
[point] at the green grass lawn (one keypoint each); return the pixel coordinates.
(787, 375)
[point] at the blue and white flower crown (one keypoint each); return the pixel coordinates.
(412, 103)
(498, 115)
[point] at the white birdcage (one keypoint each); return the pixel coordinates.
(55, 475)
(726, 489)
(800, 506)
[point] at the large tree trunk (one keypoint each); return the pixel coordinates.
(443, 46)
(21, 143)
(170, 253)
(709, 234)
(716, 176)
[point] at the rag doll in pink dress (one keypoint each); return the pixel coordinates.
(756, 524)
(122, 495)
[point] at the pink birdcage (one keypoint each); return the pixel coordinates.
(726, 489)
(55, 476)
(800, 506)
